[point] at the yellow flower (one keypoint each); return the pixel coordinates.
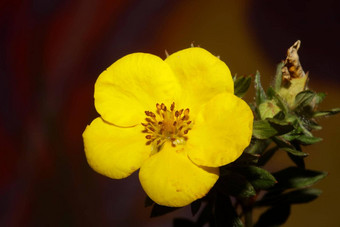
(176, 120)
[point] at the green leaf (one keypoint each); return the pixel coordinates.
(278, 77)
(260, 94)
(183, 222)
(319, 97)
(281, 126)
(241, 85)
(298, 160)
(293, 197)
(303, 98)
(326, 113)
(148, 202)
(295, 152)
(288, 147)
(236, 185)
(274, 216)
(272, 94)
(225, 214)
(265, 157)
(262, 129)
(246, 159)
(206, 215)
(195, 207)
(158, 210)
(257, 146)
(258, 177)
(294, 177)
(307, 140)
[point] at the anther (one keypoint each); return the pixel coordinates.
(174, 124)
(148, 120)
(172, 107)
(148, 137)
(186, 112)
(185, 117)
(152, 129)
(163, 107)
(177, 113)
(189, 122)
(186, 131)
(158, 106)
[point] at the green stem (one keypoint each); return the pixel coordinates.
(248, 216)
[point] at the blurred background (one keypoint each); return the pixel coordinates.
(51, 53)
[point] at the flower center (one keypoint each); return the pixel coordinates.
(167, 125)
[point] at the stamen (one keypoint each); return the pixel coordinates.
(166, 125)
(172, 107)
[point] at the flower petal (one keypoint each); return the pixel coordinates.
(201, 75)
(222, 130)
(170, 178)
(113, 151)
(132, 85)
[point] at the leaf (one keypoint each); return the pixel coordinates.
(241, 85)
(298, 160)
(303, 99)
(293, 197)
(183, 222)
(274, 216)
(225, 214)
(158, 210)
(278, 77)
(260, 96)
(281, 126)
(195, 207)
(262, 129)
(148, 202)
(257, 146)
(326, 113)
(206, 216)
(258, 177)
(288, 147)
(264, 158)
(319, 97)
(246, 159)
(307, 140)
(272, 94)
(294, 152)
(294, 177)
(236, 185)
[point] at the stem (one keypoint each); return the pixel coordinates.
(248, 216)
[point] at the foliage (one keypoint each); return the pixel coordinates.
(245, 184)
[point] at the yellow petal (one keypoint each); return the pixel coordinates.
(132, 85)
(222, 130)
(112, 151)
(201, 75)
(170, 178)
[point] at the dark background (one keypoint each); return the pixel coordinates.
(51, 53)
